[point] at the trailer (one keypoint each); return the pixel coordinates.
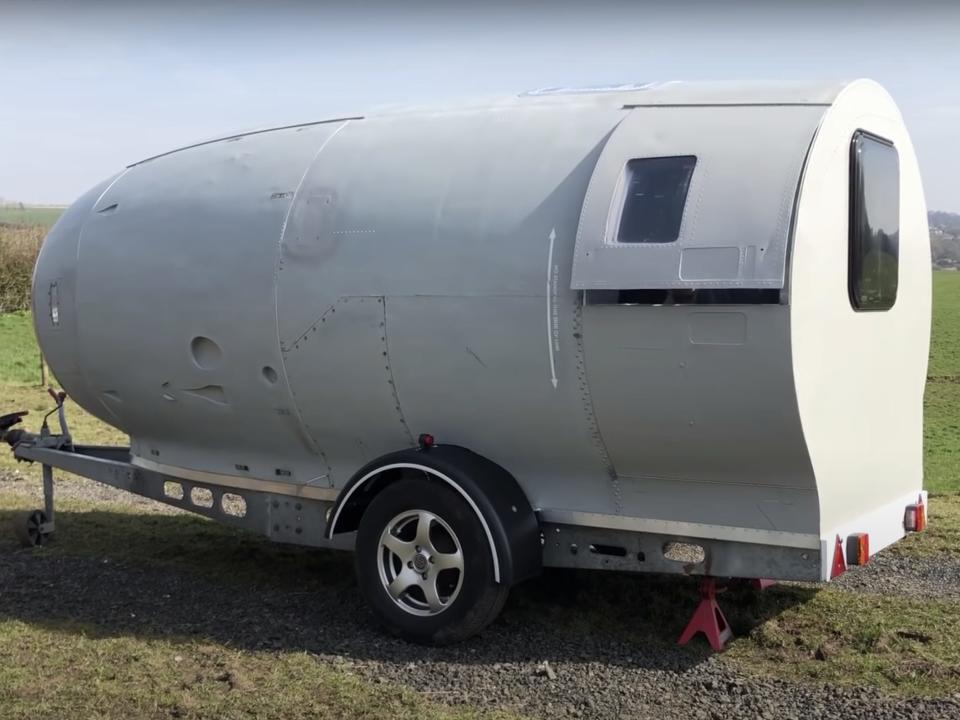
(665, 327)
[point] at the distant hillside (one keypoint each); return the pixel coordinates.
(944, 238)
(946, 221)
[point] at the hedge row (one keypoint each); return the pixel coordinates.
(19, 246)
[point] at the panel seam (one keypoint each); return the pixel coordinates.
(389, 367)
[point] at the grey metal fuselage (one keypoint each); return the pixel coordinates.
(288, 305)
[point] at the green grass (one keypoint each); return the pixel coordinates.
(941, 539)
(83, 426)
(19, 354)
(20, 389)
(64, 670)
(46, 216)
(942, 397)
(945, 331)
(901, 645)
(942, 438)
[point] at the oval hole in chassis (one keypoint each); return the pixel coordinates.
(615, 550)
(687, 553)
(201, 497)
(233, 505)
(173, 490)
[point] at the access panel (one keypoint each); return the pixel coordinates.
(694, 197)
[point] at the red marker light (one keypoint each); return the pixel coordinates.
(858, 549)
(426, 441)
(915, 517)
(921, 515)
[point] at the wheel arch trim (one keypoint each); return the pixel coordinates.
(354, 486)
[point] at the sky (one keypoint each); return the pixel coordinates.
(90, 87)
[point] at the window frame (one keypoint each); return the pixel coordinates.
(619, 203)
(854, 211)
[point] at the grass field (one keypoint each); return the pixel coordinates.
(87, 674)
(20, 388)
(945, 335)
(942, 398)
(901, 645)
(19, 355)
(43, 216)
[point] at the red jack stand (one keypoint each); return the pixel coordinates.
(762, 583)
(708, 618)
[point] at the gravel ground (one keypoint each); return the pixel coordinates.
(27, 482)
(540, 670)
(589, 675)
(888, 573)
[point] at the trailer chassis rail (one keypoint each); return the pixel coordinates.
(280, 517)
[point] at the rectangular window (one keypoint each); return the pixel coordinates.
(656, 191)
(874, 222)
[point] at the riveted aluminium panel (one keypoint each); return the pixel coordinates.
(176, 306)
(454, 204)
(460, 220)
(695, 405)
(736, 220)
(475, 371)
(340, 376)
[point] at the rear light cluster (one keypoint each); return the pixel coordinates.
(858, 549)
(857, 552)
(915, 517)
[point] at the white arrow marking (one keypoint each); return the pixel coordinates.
(550, 285)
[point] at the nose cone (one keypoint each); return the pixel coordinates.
(54, 296)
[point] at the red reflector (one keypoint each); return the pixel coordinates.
(426, 441)
(858, 549)
(839, 565)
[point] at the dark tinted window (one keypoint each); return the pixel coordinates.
(874, 222)
(656, 192)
